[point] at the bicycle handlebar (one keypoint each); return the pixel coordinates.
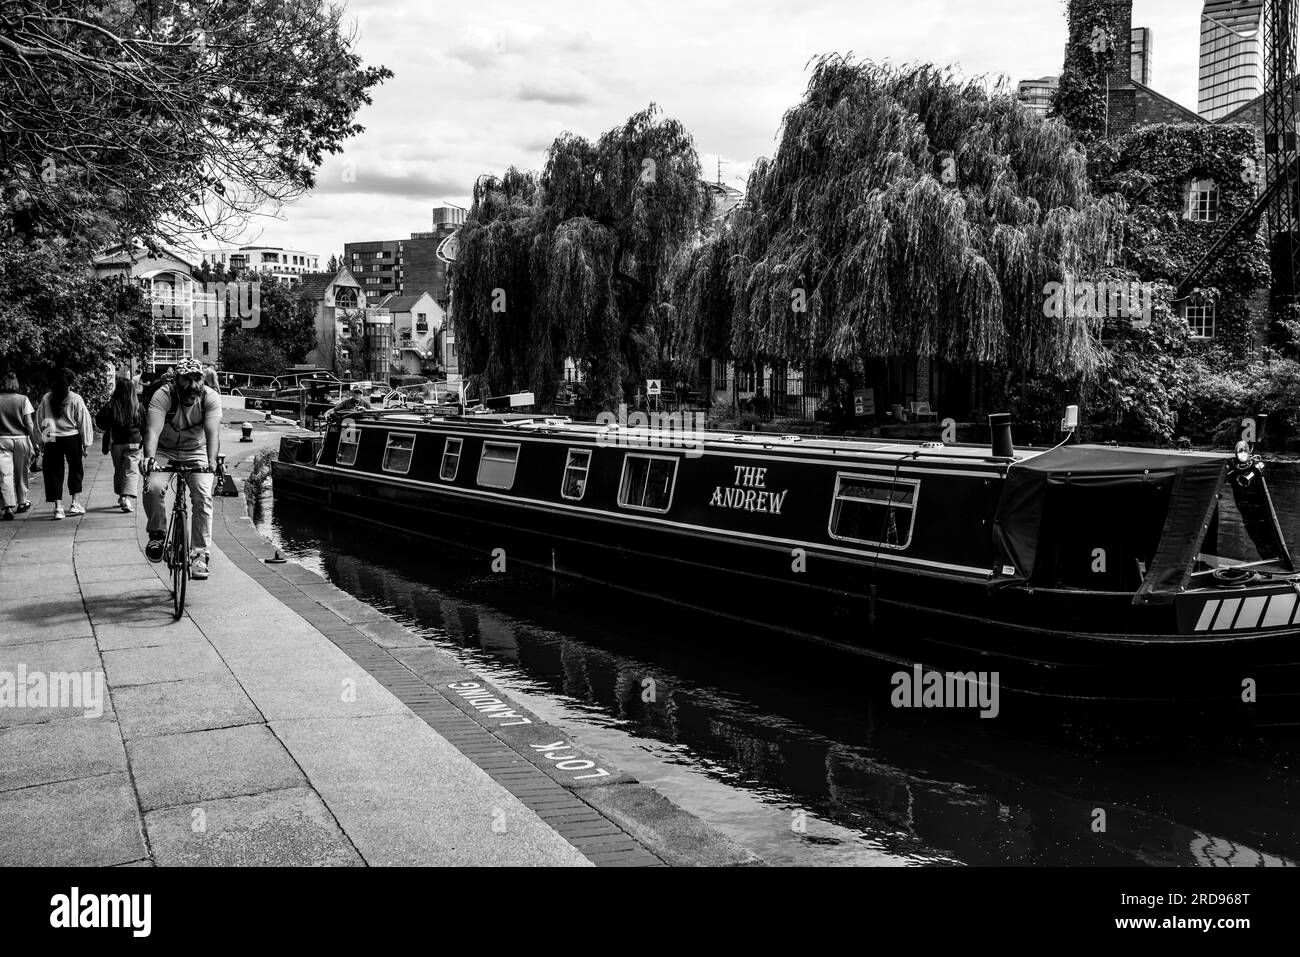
(180, 469)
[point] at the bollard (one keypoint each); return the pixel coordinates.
(276, 559)
(247, 429)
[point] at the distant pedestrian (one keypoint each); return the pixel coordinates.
(67, 432)
(210, 378)
(121, 420)
(18, 434)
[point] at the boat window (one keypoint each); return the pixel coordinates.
(349, 440)
(496, 468)
(874, 510)
(451, 460)
(574, 485)
(397, 453)
(647, 482)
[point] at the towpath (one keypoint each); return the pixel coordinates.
(280, 721)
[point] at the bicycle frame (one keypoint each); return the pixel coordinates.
(176, 545)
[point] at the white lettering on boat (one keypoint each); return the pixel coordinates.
(749, 493)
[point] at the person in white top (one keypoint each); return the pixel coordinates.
(67, 431)
(17, 433)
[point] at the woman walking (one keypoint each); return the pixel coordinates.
(120, 421)
(67, 432)
(17, 433)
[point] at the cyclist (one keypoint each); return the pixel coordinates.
(182, 425)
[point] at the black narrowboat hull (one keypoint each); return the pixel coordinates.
(1038, 641)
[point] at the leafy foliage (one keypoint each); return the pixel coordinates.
(171, 117)
(569, 263)
(906, 213)
(55, 313)
(285, 333)
(1152, 168)
(1090, 52)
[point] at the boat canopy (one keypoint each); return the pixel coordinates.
(1107, 518)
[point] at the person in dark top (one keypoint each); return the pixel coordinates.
(355, 401)
(120, 420)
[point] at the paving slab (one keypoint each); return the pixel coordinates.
(53, 661)
(200, 766)
(174, 707)
(116, 636)
(287, 828)
(129, 572)
(405, 796)
(87, 822)
(174, 661)
(58, 751)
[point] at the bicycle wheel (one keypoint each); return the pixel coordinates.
(179, 560)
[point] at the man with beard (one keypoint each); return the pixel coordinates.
(182, 426)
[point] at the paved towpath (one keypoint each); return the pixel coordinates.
(278, 722)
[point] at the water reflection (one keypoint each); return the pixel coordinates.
(795, 752)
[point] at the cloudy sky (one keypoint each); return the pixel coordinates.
(485, 84)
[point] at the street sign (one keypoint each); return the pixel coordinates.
(864, 402)
(652, 386)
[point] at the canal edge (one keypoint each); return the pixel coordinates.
(604, 812)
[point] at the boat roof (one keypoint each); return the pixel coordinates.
(1073, 458)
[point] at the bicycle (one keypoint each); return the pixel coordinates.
(176, 546)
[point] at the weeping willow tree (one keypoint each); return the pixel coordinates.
(906, 213)
(570, 263)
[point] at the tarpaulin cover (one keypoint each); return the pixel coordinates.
(1139, 502)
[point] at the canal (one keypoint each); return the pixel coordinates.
(795, 752)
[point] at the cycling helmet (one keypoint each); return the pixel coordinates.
(189, 367)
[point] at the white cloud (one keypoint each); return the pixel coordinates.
(489, 84)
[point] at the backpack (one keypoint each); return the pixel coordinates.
(147, 393)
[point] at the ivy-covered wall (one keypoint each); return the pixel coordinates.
(1097, 46)
(1152, 168)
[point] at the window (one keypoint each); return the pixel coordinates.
(349, 441)
(1200, 316)
(496, 468)
(205, 345)
(874, 510)
(397, 453)
(647, 482)
(1202, 201)
(451, 460)
(574, 485)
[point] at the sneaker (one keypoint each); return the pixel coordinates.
(8, 515)
(121, 502)
(154, 550)
(76, 508)
(25, 507)
(199, 566)
(126, 504)
(58, 512)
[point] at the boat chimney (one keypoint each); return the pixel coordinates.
(1000, 428)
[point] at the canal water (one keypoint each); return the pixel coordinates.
(796, 753)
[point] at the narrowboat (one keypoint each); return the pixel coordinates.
(1088, 571)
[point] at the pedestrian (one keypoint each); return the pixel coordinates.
(67, 432)
(120, 420)
(17, 437)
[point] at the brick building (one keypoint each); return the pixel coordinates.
(406, 266)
